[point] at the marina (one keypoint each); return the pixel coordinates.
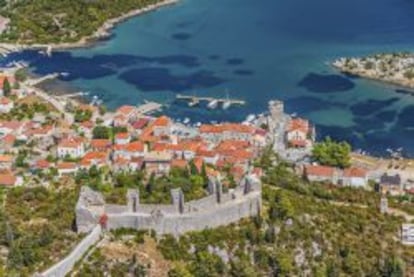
(213, 102)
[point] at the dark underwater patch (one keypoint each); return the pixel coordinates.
(404, 91)
(371, 106)
(364, 124)
(181, 36)
(235, 61)
(386, 116)
(406, 118)
(214, 57)
(94, 67)
(307, 104)
(320, 83)
(159, 79)
(243, 72)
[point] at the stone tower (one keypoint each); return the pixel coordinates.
(384, 205)
(133, 200)
(177, 198)
(276, 110)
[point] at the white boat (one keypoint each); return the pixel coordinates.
(213, 104)
(186, 120)
(226, 105)
(64, 74)
(49, 51)
(250, 117)
(193, 103)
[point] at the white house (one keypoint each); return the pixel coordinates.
(71, 147)
(6, 105)
(355, 177)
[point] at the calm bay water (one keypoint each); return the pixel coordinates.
(257, 51)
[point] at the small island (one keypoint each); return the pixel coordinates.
(394, 68)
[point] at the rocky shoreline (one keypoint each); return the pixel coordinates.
(103, 32)
(396, 68)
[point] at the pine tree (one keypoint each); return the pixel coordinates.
(6, 87)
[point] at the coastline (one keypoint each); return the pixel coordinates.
(101, 33)
(389, 69)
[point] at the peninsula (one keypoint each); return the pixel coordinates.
(57, 29)
(394, 68)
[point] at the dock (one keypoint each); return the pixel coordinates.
(194, 100)
(33, 82)
(149, 107)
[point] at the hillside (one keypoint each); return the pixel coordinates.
(49, 21)
(305, 230)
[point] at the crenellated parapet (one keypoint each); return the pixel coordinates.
(216, 209)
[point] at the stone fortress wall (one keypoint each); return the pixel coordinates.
(217, 209)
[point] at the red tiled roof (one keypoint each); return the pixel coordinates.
(125, 110)
(319, 170)
(71, 142)
(162, 121)
(141, 123)
(355, 172)
(9, 139)
(122, 136)
(229, 127)
(135, 146)
(66, 165)
(42, 164)
(6, 158)
(299, 124)
(179, 163)
(7, 179)
(5, 101)
(100, 143)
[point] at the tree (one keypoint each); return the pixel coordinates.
(6, 87)
(331, 153)
(101, 132)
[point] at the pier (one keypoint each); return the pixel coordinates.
(149, 107)
(194, 100)
(33, 82)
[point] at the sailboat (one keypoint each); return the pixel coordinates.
(212, 104)
(227, 102)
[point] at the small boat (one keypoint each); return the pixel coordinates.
(227, 102)
(250, 117)
(226, 105)
(186, 120)
(64, 74)
(193, 103)
(213, 104)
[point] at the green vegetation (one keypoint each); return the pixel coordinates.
(26, 111)
(82, 115)
(50, 21)
(36, 228)
(331, 153)
(6, 87)
(301, 230)
(152, 190)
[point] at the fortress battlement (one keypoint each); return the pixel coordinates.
(216, 209)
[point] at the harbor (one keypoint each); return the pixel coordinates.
(212, 101)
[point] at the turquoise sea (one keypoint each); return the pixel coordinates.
(257, 51)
